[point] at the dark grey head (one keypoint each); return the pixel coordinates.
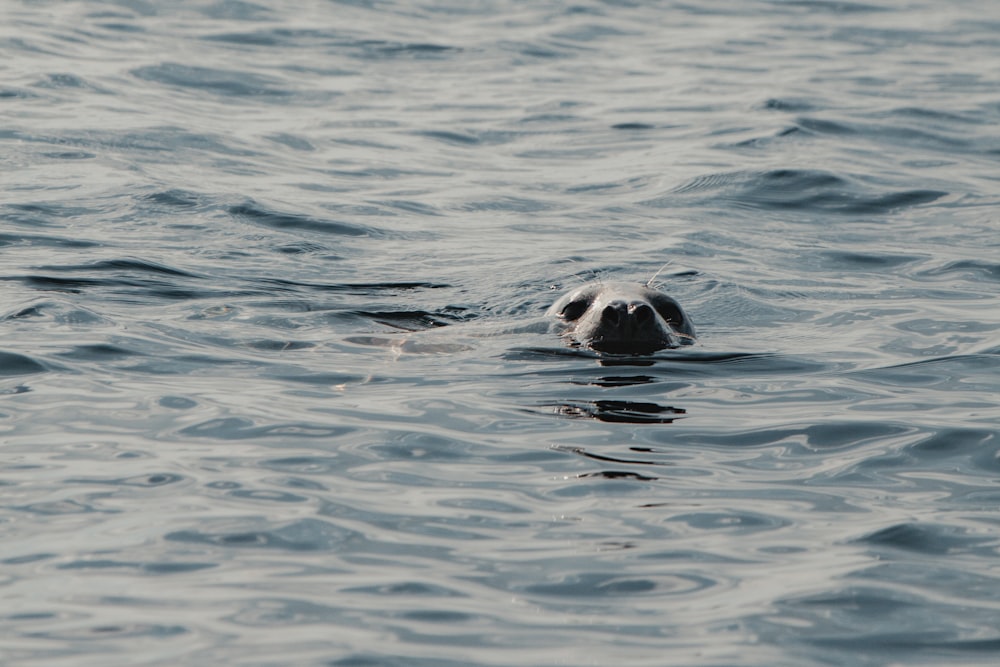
(622, 318)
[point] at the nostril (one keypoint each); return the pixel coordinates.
(613, 314)
(643, 314)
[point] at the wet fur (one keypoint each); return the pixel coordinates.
(622, 318)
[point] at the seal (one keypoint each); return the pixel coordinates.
(622, 318)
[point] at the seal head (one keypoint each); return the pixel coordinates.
(622, 318)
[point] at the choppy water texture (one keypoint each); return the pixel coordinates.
(274, 386)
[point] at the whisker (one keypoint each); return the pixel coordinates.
(649, 283)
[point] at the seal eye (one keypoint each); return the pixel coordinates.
(671, 315)
(574, 310)
(669, 310)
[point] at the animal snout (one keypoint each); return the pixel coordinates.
(624, 315)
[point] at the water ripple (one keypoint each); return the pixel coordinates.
(12, 364)
(232, 83)
(277, 387)
(260, 215)
(795, 189)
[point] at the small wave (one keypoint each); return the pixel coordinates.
(291, 141)
(931, 539)
(277, 37)
(808, 436)
(16, 93)
(61, 80)
(957, 370)
(356, 289)
(923, 114)
(363, 49)
(910, 127)
(472, 138)
(835, 6)
(147, 480)
(58, 313)
(450, 137)
(123, 631)
(253, 212)
(409, 206)
(98, 352)
(898, 129)
(411, 320)
(302, 535)
(36, 215)
(230, 83)
(417, 50)
(238, 428)
(593, 586)
(44, 241)
(632, 126)
(175, 199)
(842, 259)
(794, 189)
(151, 278)
(791, 104)
(128, 265)
(510, 204)
(12, 363)
(159, 289)
(974, 269)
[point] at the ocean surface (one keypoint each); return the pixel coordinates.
(276, 386)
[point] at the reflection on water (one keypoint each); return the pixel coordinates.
(627, 412)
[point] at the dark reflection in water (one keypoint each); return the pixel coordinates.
(627, 412)
(623, 380)
(613, 459)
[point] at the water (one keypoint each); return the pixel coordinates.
(275, 389)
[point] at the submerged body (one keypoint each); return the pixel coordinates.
(622, 318)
